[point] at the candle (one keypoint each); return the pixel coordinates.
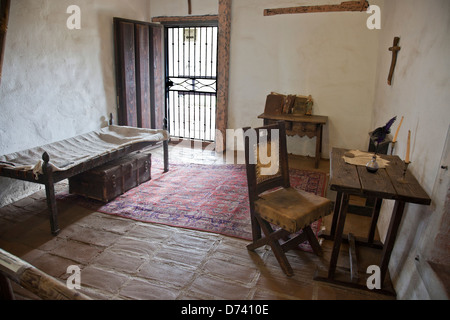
(398, 130)
(408, 148)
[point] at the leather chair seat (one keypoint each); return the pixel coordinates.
(292, 209)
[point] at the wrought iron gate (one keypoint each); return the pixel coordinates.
(191, 81)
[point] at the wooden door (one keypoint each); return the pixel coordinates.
(139, 73)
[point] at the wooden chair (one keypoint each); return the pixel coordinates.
(273, 202)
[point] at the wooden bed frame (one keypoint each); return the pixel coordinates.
(50, 177)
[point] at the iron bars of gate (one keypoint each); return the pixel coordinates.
(191, 81)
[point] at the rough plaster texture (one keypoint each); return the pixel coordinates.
(180, 7)
(420, 92)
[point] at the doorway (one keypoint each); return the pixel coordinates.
(191, 53)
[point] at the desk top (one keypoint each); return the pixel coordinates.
(296, 118)
(384, 184)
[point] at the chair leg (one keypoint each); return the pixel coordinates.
(275, 236)
(271, 238)
(256, 228)
(315, 245)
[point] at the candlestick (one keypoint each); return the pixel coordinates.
(398, 130)
(393, 147)
(408, 148)
(405, 170)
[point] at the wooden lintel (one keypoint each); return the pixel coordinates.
(188, 19)
(360, 6)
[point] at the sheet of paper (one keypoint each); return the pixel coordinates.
(360, 158)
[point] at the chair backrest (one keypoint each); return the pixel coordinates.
(266, 159)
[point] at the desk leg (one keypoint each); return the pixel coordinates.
(337, 208)
(375, 216)
(391, 236)
(319, 132)
(338, 235)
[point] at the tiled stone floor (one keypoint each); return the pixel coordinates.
(125, 259)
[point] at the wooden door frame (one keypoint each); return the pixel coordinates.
(223, 56)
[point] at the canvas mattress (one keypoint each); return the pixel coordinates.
(69, 153)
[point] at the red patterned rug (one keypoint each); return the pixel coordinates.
(212, 198)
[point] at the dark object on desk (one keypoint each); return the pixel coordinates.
(383, 147)
(381, 133)
(278, 104)
(373, 166)
(113, 179)
(289, 103)
(289, 209)
(379, 137)
(299, 107)
(303, 105)
(274, 104)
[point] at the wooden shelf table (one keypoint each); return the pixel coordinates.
(301, 125)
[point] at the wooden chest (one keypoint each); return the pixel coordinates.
(113, 179)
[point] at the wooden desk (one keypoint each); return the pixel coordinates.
(311, 126)
(349, 180)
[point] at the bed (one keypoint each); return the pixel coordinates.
(60, 160)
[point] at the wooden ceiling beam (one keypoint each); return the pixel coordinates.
(360, 6)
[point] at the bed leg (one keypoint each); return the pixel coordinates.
(166, 155)
(50, 193)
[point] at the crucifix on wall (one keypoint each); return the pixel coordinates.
(395, 49)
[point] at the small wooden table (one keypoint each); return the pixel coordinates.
(311, 126)
(348, 180)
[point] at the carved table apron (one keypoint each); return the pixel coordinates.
(310, 126)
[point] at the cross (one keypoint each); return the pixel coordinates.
(395, 49)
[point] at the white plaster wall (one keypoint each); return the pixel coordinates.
(56, 82)
(421, 93)
(180, 7)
